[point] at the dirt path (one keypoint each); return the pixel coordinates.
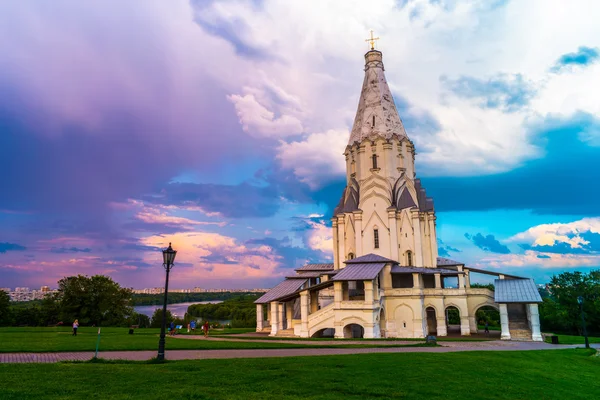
(445, 347)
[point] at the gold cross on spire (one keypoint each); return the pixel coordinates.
(372, 40)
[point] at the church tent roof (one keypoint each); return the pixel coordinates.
(369, 258)
(516, 291)
(285, 288)
(358, 272)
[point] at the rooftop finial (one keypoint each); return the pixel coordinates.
(372, 40)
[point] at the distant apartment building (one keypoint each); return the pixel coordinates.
(26, 294)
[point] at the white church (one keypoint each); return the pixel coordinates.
(386, 279)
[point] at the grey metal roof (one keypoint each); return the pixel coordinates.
(398, 269)
(315, 267)
(369, 258)
(447, 261)
(358, 272)
(285, 288)
(308, 274)
(516, 291)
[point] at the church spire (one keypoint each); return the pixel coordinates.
(376, 114)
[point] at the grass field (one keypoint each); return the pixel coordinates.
(60, 339)
(569, 339)
(555, 374)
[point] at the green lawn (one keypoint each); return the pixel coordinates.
(569, 339)
(555, 374)
(60, 339)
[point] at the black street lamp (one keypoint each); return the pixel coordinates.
(580, 301)
(168, 259)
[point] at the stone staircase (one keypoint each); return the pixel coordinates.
(519, 329)
(285, 333)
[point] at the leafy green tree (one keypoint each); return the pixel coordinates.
(96, 300)
(5, 311)
(560, 312)
(156, 320)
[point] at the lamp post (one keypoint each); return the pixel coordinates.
(580, 301)
(168, 259)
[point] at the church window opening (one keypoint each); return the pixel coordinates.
(373, 121)
(376, 238)
(374, 157)
(409, 258)
(350, 256)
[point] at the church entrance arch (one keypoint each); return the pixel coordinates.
(431, 321)
(324, 333)
(453, 319)
(487, 314)
(354, 331)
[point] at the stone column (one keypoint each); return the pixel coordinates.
(467, 279)
(534, 323)
(438, 281)
(473, 324)
(505, 335)
(338, 294)
(314, 301)
(369, 331)
(304, 313)
(358, 232)
(336, 261)
(259, 318)
(442, 330)
(274, 318)
(341, 242)
(289, 314)
(416, 283)
(418, 248)
(419, 327)
(280, 316)
(465, 329)
(386, 281)
(432, 240)
(339, 330)
(461, 281)
(393, 233)
(369, 297)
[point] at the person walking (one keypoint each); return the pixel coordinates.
(188, 328)
(193, 326)
(75, 326)
(487, 329)
(205, 328)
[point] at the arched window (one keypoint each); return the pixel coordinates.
(409, 258)
(374, 158)
(376, 238)
(350, 256)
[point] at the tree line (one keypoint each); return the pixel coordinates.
(157, 299)
(100, 301)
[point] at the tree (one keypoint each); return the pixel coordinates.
(156, 321)
(5, 312)
(560, 312)
(96, 300)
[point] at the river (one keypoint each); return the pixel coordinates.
(177, 309)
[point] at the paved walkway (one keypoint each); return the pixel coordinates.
(445, 347)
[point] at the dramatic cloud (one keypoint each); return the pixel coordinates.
(582, 57)
(4, 247)
(62, 250)
(236, 201)
(488, 243)
(506, 92)
(317, 160)
(578, 237)
(445, 250)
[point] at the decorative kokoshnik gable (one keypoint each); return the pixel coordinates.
(386, 279)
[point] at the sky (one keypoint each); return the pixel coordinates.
(219, 126)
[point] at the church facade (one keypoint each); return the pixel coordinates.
(386, 279)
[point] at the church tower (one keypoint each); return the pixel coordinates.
(384, 209)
